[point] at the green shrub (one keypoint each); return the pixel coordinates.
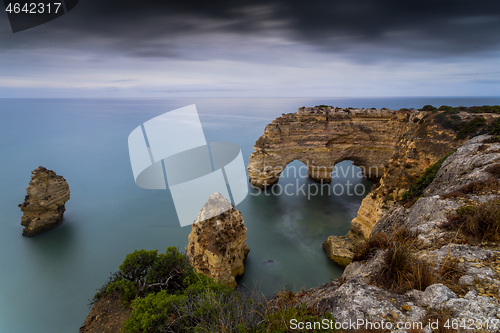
(125, 290)
(428, 107)
(494, 127)
(143, 272)
(154, 313)
(417, 189)
(205, 306)
(471, 127)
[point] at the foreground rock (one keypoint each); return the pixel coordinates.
(217, 245)
(43, 206)
(475, 298)
(107, 316)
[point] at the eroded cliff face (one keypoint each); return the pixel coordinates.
(217, 246)
(44, 204)
(321, 137)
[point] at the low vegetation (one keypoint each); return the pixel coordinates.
(448, 118)
(479, 222)
(493, 129)
(167, 295)
(401, 269)
(458, 109)
(417, 189)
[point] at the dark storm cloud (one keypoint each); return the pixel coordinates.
(156, 28)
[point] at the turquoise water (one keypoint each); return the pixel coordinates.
(47, 280)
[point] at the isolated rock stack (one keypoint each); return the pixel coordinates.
(43, 206)
(217, 245)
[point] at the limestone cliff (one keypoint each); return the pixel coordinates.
(217, 246)
(321, 137)
(464, 280)
(44, 204)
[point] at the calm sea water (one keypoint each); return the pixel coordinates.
(45, 281)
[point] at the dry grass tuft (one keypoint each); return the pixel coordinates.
(477, 187)
(441, 317)
(479, 223)
(368, 248)
(494, 170)
(402, 270)
(483, 147)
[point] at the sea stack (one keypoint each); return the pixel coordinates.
(217, 245)
(43, 206)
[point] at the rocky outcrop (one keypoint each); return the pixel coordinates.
(217, 245)
(321, 137)
(43, 206)
(107, 316)
(476, 293)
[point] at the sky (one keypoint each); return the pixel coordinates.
(277, 48)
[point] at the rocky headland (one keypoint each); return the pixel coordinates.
(435, 258)
(44, 204)
(217, 246)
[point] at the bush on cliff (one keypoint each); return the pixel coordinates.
(494, 129)
(167, 295)
(143, 272)
(417, 189)
(472, 109)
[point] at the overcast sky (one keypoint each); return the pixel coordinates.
(280, 48)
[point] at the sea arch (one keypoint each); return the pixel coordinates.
(321, 140)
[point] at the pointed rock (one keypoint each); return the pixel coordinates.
(217, 245)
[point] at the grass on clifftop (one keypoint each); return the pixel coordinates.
(167, 295)
(417, 189)
(400, 269)
(478, 222)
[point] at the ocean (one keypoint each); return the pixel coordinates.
(46, 281)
